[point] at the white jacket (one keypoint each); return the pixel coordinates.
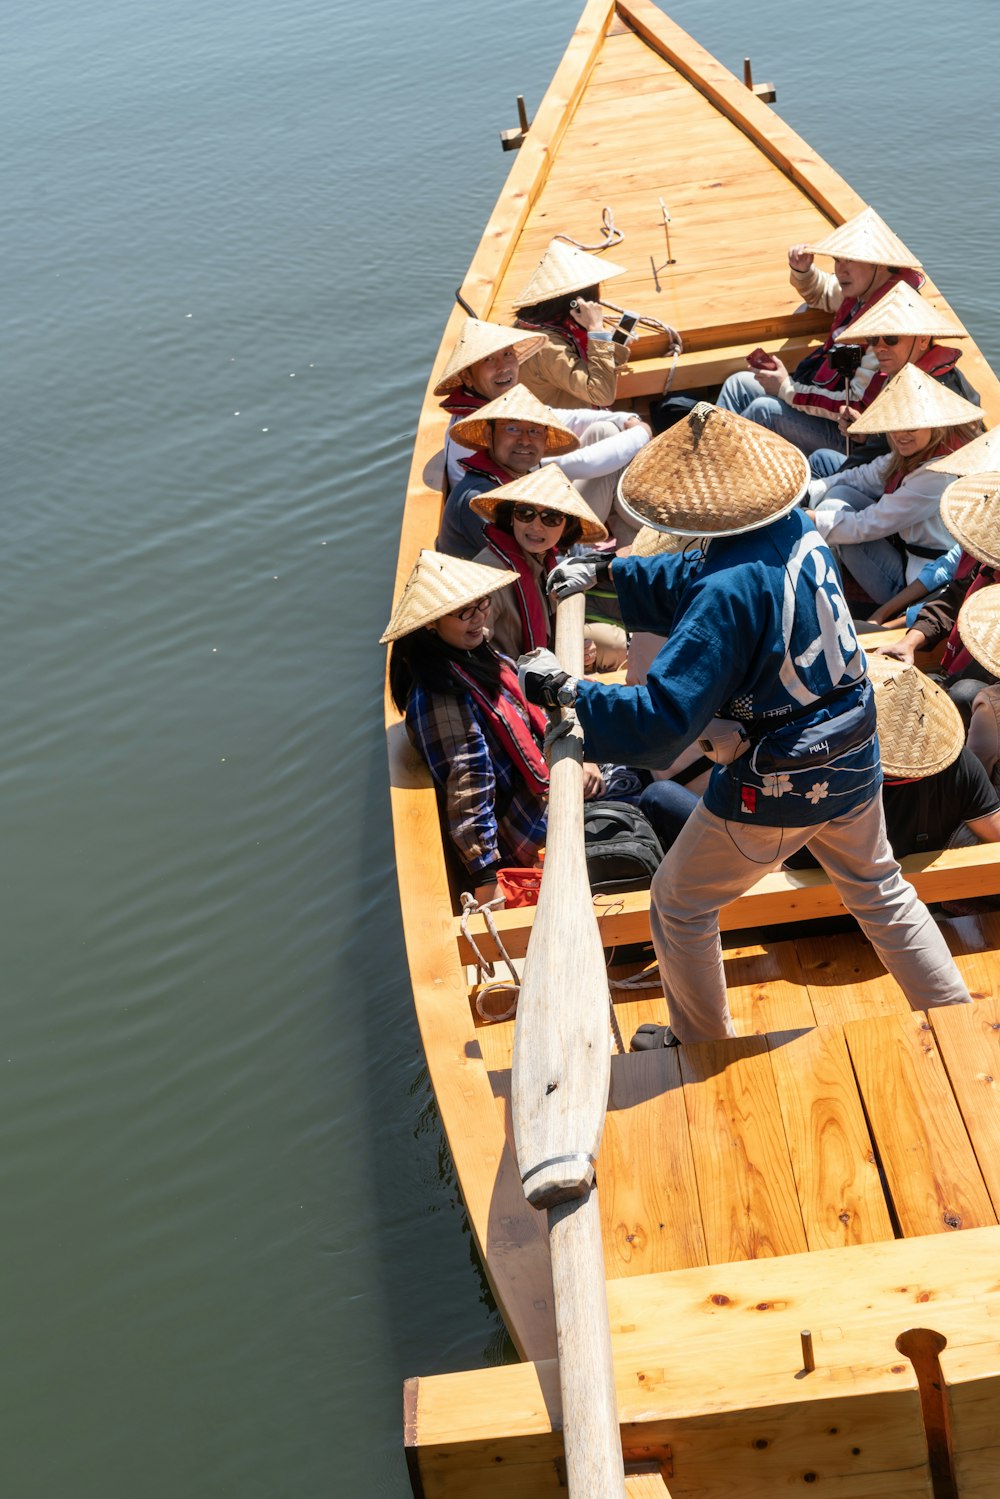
(592, 462)
(912, 512)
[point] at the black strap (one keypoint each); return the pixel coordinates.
(691, 772)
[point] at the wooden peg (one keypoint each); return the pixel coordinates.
(512, 140)
(808, 1357)
(766, 92)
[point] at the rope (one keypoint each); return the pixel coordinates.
(471, 908)
(612, 236)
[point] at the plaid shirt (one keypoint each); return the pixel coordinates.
(475, 779)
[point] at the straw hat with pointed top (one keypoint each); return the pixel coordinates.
(476, 341)
(979, 626)
(547, 488)
(516, 405)
(980, 456)
(920, 731)
(970, 508)
(440, 585)
(564, 269)
(713, 474)
(868, 238)
(902, 311)
(912, 399)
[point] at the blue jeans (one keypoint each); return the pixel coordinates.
(824, 462)
(668, 805)
(744, 394)
(876, 564)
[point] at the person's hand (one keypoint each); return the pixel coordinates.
(485, 893)
(589, 315)
(589, 655)
(810, 515)
(771, 380)
(848, 415)
(593, 781)
(573, 575)
(799, 258)
(900, 650)
(540, 677)
(637, 421)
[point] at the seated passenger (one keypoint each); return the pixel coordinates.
(884, 518)
(513, 435)
(904, 606)
(900, 329)
(579, 363)
(529, 522)
(970, 508)
(467, 716)
(509, 437)
(804, 406)
(485, 363)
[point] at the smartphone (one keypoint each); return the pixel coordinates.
(760, 359)
(626, 325)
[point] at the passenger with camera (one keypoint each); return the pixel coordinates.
(805, 405)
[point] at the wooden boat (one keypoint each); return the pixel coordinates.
(835, 1168)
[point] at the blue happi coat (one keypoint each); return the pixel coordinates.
(758, 631)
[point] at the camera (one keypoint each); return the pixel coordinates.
(845, 359)
(626, 324)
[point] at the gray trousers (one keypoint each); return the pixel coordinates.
(714, 861)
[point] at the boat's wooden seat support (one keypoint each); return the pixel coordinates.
(782, 897)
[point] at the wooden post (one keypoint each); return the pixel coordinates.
(560, 1077)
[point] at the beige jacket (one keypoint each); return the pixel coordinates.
(559, 377)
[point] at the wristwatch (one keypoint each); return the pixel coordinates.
(566, 693)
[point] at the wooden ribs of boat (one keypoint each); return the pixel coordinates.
(834, 1168)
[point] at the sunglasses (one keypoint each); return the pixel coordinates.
(889, 339)
(527, 513)
(471, 610)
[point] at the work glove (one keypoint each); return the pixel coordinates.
(576, 575)
(543, 681)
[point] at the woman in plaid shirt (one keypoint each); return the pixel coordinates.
(467, 716)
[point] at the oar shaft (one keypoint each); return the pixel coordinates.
(591, 1435)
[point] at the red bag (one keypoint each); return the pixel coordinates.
(519, 887)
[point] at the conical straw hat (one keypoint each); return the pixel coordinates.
(979, 626)
(868, 238)
(563, 269)
(650, 543)
(476, 341)
(515, 405)
(920, 730)
(970, 508)
(904, 311)
(912, 399)
(980, 456)
(547, 488)
(441, 585)
(713, 474)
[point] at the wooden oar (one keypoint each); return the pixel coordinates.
(560, 1077)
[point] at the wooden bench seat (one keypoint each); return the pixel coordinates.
(777, 899)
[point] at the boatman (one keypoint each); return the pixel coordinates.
(760, 640)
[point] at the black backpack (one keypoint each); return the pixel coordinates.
(623, 852)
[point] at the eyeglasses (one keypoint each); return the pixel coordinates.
(471, 610)
(527, 513)
(889, 339)
(521, 429)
